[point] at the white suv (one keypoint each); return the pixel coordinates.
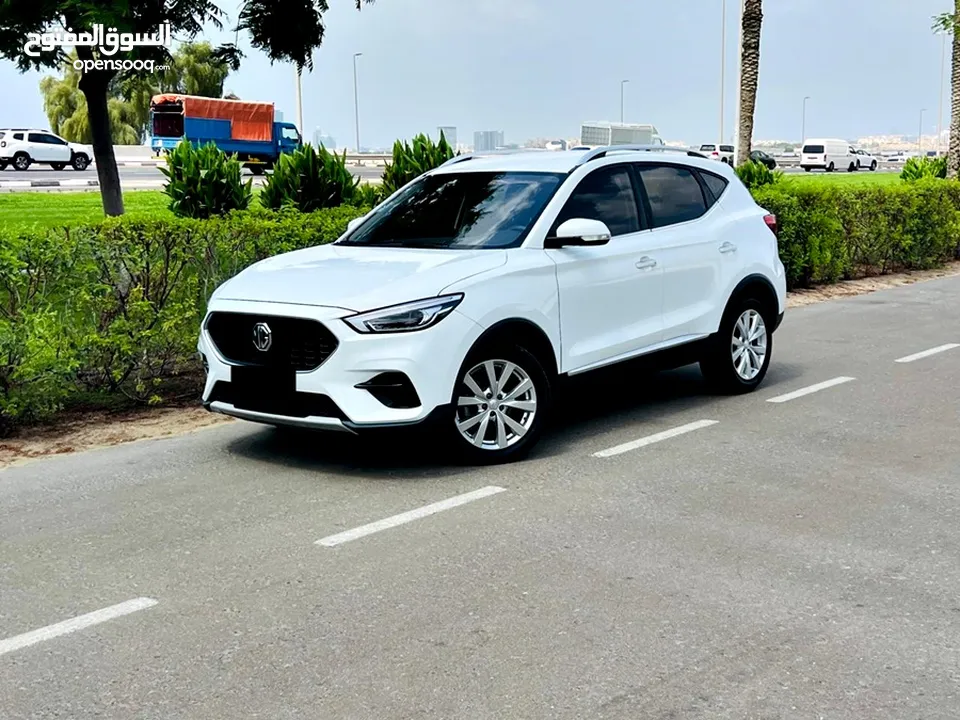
(23, 147)
(470, 293)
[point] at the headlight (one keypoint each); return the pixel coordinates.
(406, 317)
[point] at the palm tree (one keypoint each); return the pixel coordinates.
(948, 23)
(750, 26)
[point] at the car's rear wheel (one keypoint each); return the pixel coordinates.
(500, 404)
(738, 356)
(831, 167)
(21, 161)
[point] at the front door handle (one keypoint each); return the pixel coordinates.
(728, 247)
(646, 263)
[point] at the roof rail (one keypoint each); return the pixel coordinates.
(487, 153)
(600, 152)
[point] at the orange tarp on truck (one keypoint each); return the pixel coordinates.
(248, 120)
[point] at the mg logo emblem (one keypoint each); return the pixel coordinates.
(262, 337)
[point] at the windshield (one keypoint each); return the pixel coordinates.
(708, 147)
(463, 210)
(813, 149)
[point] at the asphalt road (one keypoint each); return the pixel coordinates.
(795, 559)
(131, 174)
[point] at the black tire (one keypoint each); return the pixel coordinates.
(718, 364)
(852, 168)
(80, 162)
(21, 161)
(831, 167)
(807, 169)
(873, 166)
(58, 166)
(257, 169)
(3, 166)
(529, 366)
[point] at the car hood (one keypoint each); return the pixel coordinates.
(356, 278)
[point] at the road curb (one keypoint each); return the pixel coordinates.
(26, 184)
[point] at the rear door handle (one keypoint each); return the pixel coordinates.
(646, 263)
(728, 248)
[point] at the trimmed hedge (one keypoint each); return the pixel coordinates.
(112, 310)
(831, 232)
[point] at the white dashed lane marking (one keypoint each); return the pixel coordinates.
(810, 390)
(928, 353)
(651, 439)
(408, 516)
(74, 624)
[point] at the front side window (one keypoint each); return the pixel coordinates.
(470, 210)
(289, 133)
(606, 195)
(674, 194)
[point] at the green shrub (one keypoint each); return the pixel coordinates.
(924, 168)
(203, 182)
(754, 174)
(113, 309)
(308, 180)
(411, 161)
(368, 196)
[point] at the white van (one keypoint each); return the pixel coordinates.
(828, 154)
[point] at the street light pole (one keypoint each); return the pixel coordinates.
(622, 83)
(943, 57)
(723, 63)
(803, 122)
(920, 134)
(356, 99)
(300, 101)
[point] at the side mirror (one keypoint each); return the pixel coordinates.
(579, 231)
(354, 224)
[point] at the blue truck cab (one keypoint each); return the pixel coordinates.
(244, 129)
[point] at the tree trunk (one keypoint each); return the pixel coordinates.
(749, 75)
(94, 87)
(953, 155)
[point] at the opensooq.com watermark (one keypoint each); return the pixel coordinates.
(107, 43)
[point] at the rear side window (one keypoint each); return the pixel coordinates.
(726, 148)
(18, 136)
(606, 195)
(813, 149)
(673, 193)
(36, 138)
(715, 186)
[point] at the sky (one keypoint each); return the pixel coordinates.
(538, 68)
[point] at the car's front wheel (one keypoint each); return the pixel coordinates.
(738, 356)
(80, 162)
(500, 404)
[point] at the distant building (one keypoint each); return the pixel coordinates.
(487, 140)
(449, 133)
(328, 141)
(607, 133)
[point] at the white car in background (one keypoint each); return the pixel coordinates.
(865, 160)
(22, 147)
(467, 297)
(827, 154)
(723, 153)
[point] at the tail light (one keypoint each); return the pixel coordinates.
(771, 221)
(715, 154)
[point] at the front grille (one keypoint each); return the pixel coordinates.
(263, 398)
(294, 342)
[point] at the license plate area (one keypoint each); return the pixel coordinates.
(263, 389)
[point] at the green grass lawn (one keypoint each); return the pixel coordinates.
(845, 178)
(43, 209)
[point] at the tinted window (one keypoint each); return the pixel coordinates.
(54, 140)
(813, 149)
(715, 185)
(2, 135)
(36, 138)
(470, 210)
(673, 192)
(726, 148)
(708, 148)
(18, 136)
(606, 195)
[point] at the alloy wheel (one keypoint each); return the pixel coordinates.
(496, 405)
(748, 347)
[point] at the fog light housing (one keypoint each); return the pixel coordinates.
(392, 389)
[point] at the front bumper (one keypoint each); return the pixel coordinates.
(429, 358)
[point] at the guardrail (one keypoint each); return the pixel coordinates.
(143, 153)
